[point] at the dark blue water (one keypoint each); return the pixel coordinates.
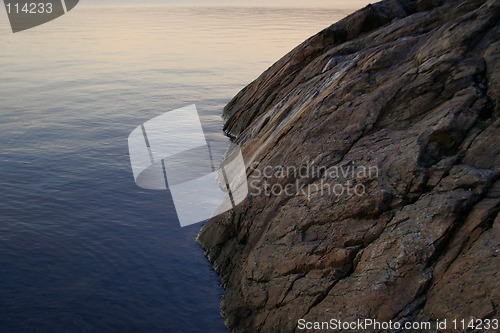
(82, 248)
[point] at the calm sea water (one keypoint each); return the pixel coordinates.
(82, 248)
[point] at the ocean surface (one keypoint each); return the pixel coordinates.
(82, 248)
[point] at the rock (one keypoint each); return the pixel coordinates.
(373, 157)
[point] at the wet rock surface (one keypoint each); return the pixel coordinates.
(396, 105)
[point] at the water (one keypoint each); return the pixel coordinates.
(82, 248)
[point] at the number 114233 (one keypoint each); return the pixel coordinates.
(29, 8)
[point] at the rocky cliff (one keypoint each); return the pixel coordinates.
(373, 156)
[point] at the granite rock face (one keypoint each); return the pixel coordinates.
(373, 156)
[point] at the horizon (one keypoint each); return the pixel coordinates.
(343, 5)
